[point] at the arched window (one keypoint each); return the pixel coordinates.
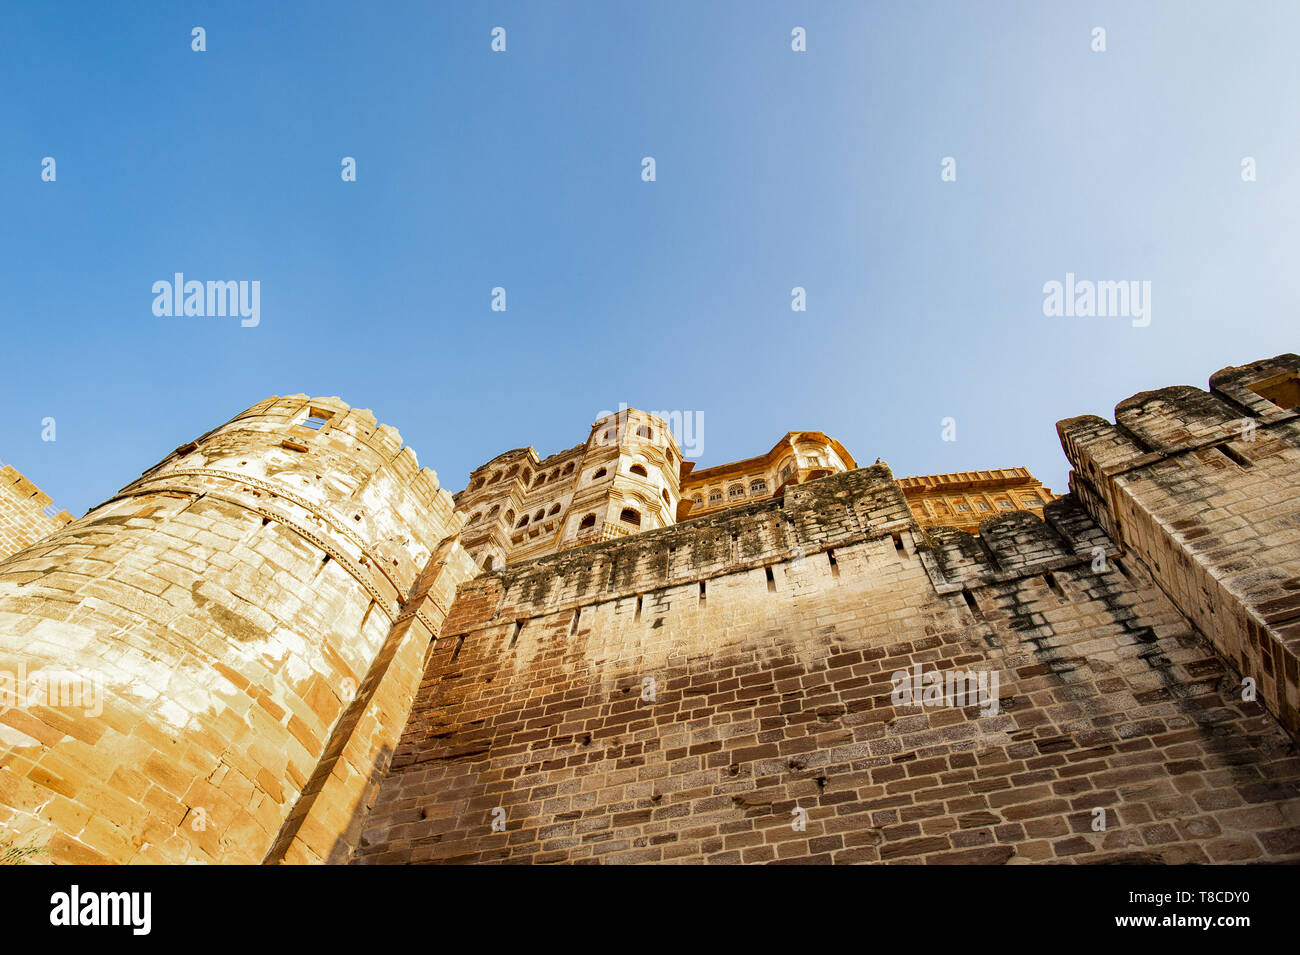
(524, 521)
(554, 475)
(645, 432)
(715, 496)
(736, 490)
(541, 479)
(493, 513)
(510, 518)
(487, 562)
(787, 471)
(698, 499)
(667, 499)
(630, 515)
(758, 486)
(568, 468)
(599, 474)
(555, 510)
(476, 484)
(526, 476)
(588, 521)
(475, 519)
(512, 472)
(539, 515)
(638, 469)
(495, 477)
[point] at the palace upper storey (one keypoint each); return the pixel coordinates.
(629, 476)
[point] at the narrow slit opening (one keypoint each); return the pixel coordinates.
(1235, 456)
(637, 618)
(771, 580)
(576, 615)
(835, 566)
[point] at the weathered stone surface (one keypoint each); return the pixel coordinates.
(242, 630)
(297, 664)
(771, 633)
(1202, 488)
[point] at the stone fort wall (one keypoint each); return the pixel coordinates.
(246, 625)
(721, 691)
(1204, 487)
(289, 659)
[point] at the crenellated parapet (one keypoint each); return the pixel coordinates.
(1201, 486)
(1015, 545)
(811, 519)
(27, 513)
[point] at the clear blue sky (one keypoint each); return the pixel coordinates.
(775, 169)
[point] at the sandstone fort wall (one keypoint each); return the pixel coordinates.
(232, 617)
(771, 633)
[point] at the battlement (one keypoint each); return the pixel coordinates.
(27, 513)
(318, 463)
(811, 519)
(1015, 545)
(1182, 418)
(1201, 487)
